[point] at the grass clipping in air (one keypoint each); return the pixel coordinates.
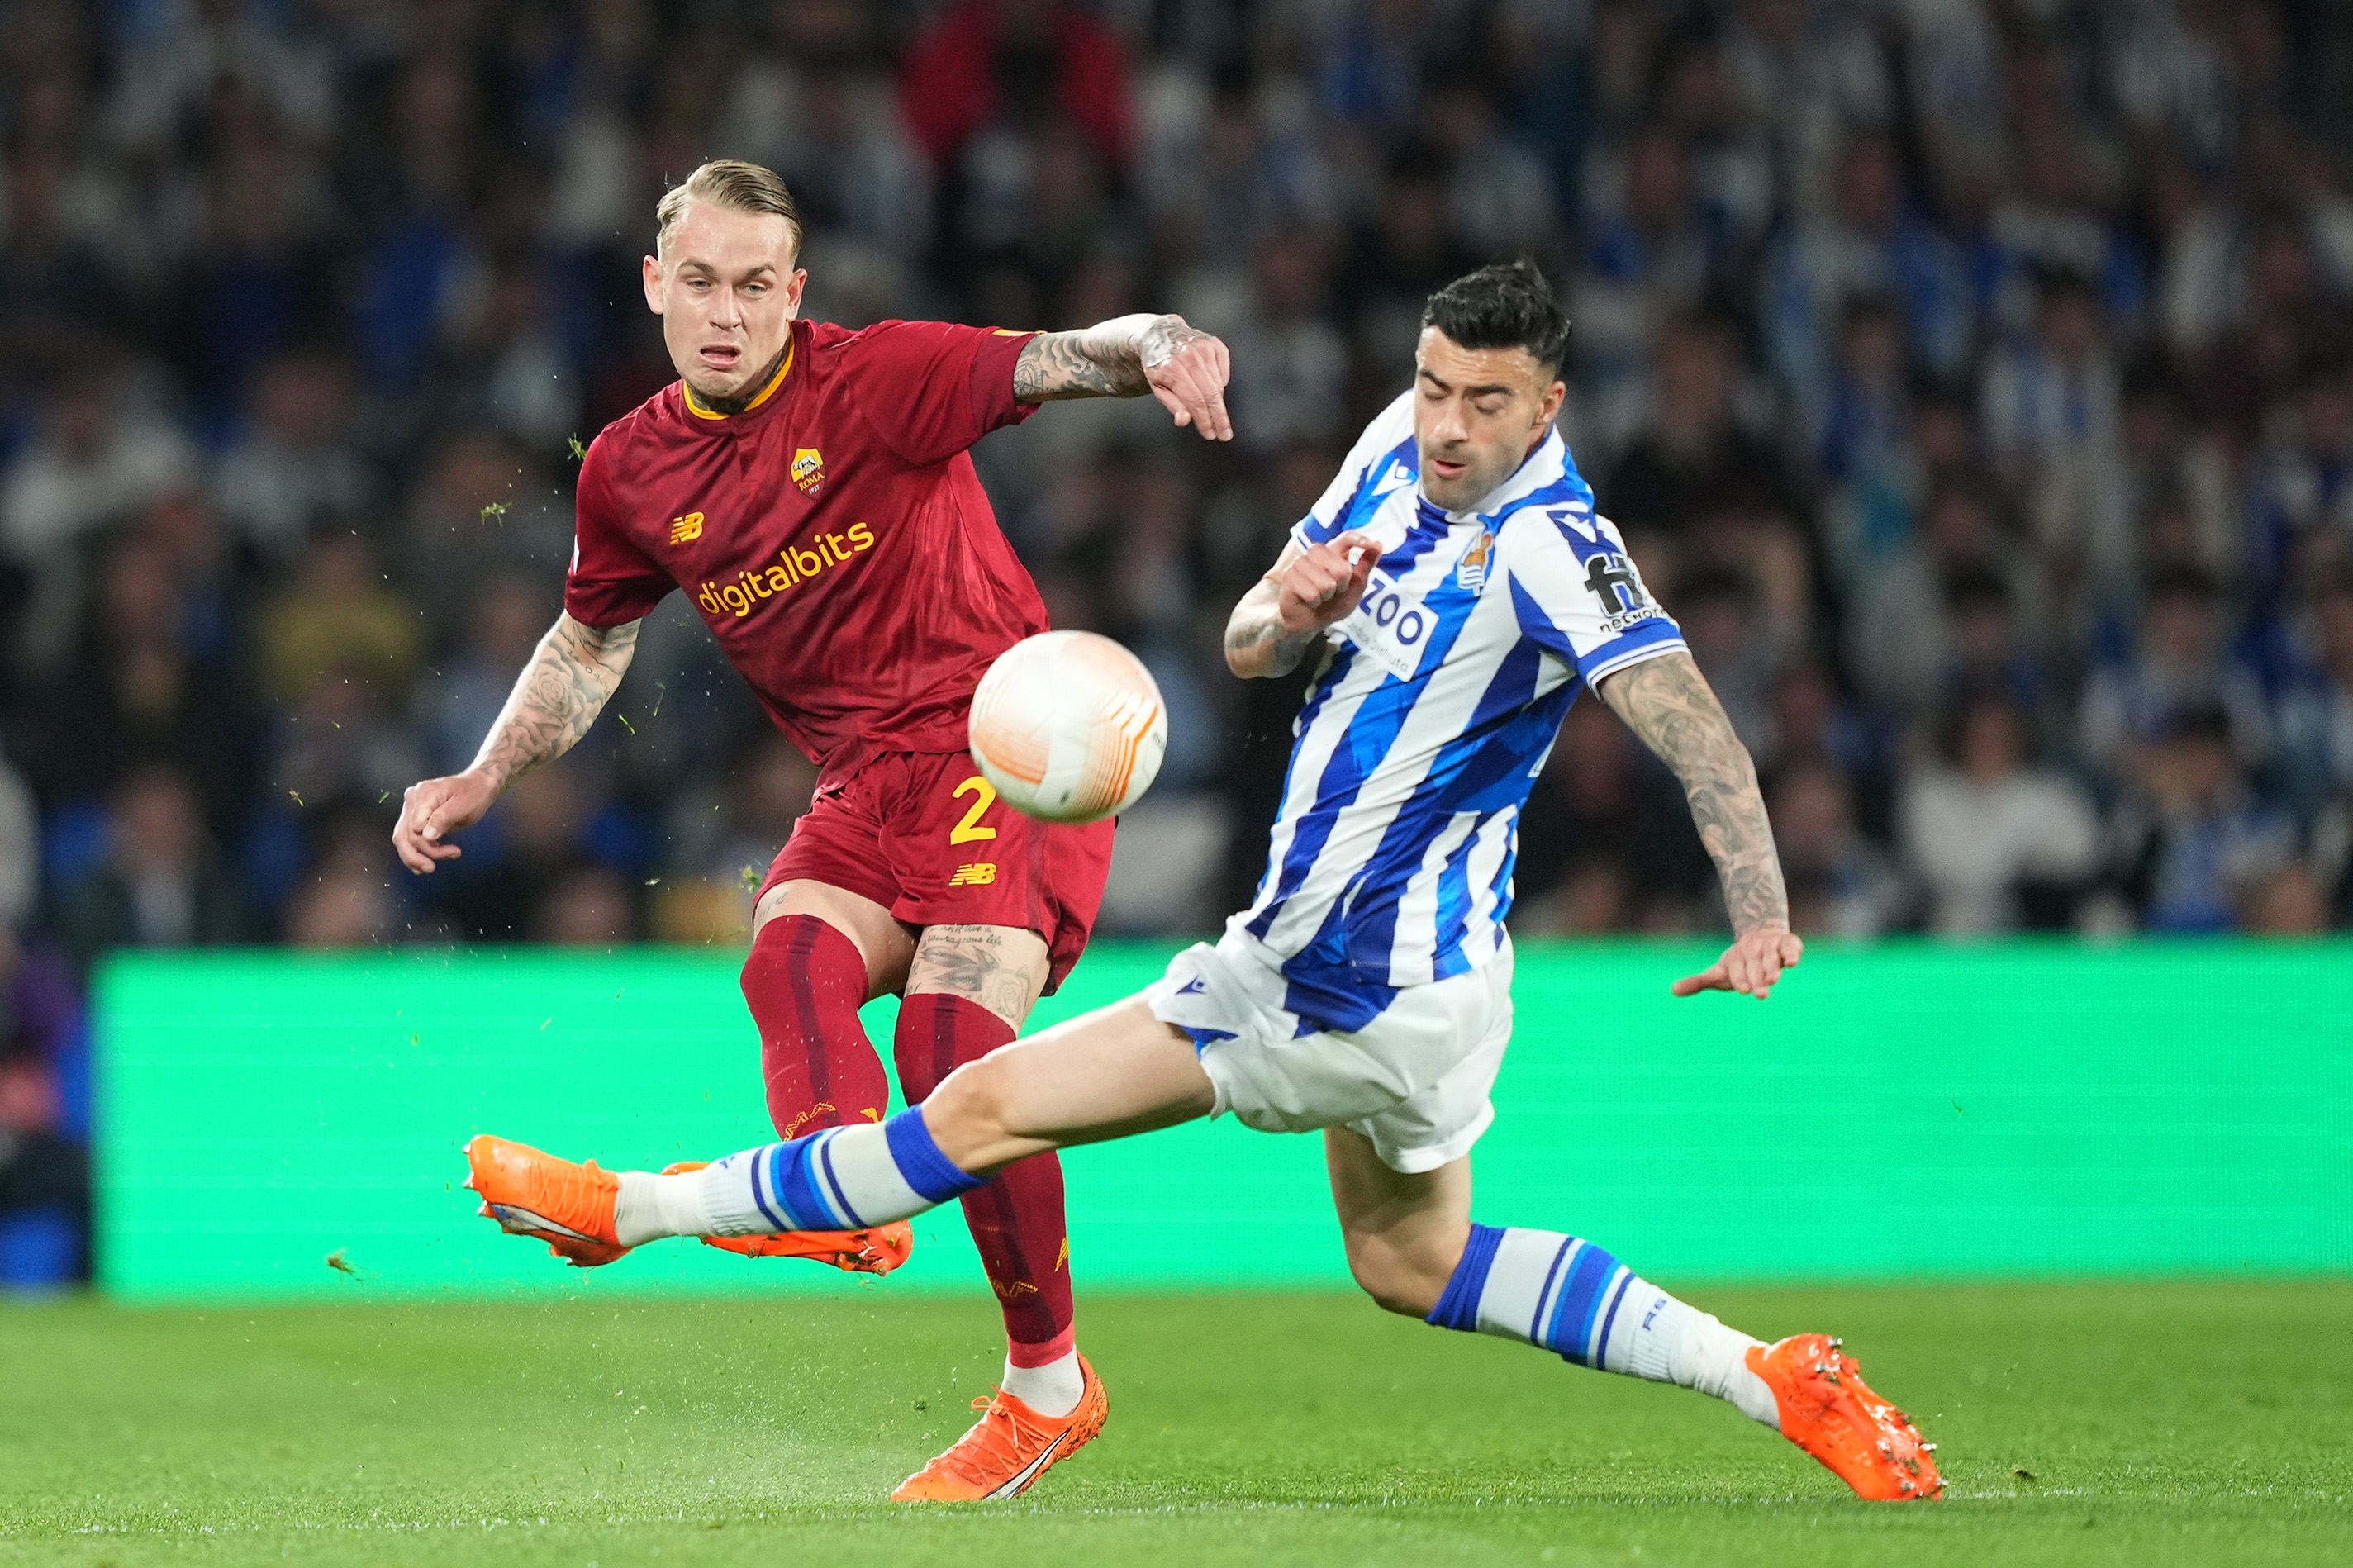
(2126, 1423)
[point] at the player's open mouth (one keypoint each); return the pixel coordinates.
(1446, 470)
(722, 356)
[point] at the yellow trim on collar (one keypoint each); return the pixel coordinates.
(766, 392)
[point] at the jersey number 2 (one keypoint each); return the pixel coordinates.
(967, 830)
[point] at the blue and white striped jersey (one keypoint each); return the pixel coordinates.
(1437, 702)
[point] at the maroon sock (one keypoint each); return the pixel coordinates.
(1017, 1219)
(805, 981)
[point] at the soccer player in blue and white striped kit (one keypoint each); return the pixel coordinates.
(1461, 591)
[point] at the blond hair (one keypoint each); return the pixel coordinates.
(728, 182)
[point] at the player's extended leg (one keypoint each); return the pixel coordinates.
(1108, 1074)
(968, 989)
(1413, 1247)
(818, 954)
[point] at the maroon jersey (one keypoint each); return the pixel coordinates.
(833, 535)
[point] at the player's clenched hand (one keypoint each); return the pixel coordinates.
(1750, 965)
(431, 811)
(1189, 369)
(1325, 582)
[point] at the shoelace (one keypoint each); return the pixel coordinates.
(991, 1448)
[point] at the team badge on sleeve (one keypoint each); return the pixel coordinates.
(808, 469)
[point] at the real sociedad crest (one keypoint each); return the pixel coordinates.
(1473, 573)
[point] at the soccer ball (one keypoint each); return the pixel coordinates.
(1068, 726)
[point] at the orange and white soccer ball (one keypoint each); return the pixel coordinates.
(1068, 726)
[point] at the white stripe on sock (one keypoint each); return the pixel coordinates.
(859, 1162)
(1520, 1281)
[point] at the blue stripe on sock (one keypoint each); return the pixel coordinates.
(1601, 1345)
(1535, 1325)
(1580, 1302)
(1458, 1307)
(935, 1176)
(761, 1189)
(833, 1185)
(798, 1192)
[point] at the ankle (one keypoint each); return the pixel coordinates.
(1051, 1387)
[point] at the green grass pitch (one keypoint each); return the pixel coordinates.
(2140, 1424)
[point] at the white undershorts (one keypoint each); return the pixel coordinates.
(1415, 1079)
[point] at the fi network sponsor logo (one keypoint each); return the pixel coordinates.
(796, 564)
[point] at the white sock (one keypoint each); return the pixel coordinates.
(650, 1208)
(1674, 1341)
(1569, 1296)
(1049, 1389)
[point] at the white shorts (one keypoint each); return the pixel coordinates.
(1415, 1079)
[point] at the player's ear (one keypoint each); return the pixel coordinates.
(799, 281)
(652, 271)
(1549, 409)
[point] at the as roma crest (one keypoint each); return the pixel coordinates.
(808, 469)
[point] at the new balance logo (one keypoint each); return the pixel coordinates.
(979, 874)
(686, 530)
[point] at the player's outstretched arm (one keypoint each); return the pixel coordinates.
(1667, 701)
(1273, 624)
(571, 676)
(1127, 356)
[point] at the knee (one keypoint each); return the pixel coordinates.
(1400, 1280)
(970, 1105)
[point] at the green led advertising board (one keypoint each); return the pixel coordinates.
(1905, 1109)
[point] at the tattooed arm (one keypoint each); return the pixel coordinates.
(571, 676)
(1184, 367)
(1307, 590)
(1666, 702)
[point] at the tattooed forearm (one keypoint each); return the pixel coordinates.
(571, 676)
(1060, 365)
(1666, 702)
(1002, 968)
(1107, 360)
(1256, 643)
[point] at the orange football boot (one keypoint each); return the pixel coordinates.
(569, 1206)
(876, 1249)
(1830, 1412)
(1008, 1448)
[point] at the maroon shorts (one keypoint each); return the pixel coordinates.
(925, 835)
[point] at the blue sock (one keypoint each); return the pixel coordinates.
(844, 1178)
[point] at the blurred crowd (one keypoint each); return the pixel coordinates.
(1973, 378)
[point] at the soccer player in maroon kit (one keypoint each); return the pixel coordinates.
(809, 488)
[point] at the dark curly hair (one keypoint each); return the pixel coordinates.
(1506, 305)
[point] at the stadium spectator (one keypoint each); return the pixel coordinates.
(99, 453)
(2315, 717)
(2179, 663)
(294, 464)
(1997, 844)
(134, 692)
(2194, 842)
(161, 882)
(1840, 883)
(20, 849)
(44, 1180)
